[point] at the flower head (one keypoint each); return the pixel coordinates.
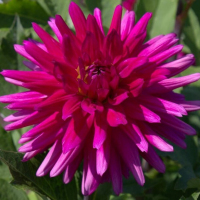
(101, 99)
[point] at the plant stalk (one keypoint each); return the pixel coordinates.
(86, 198)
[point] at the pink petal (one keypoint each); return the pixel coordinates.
(160, 57)
(31, 66)
(64, 160)
(93, 27)
(77, 130)
(22, 97)
(53, 26)
(131, 158)
(137, 30)
(100, 129)
(140, 112)
(52, 45)
(71, 106)
(64, 29)
(176, 123)
(71, 169)
(26, 76)
(44, 59)
(127, 24)
(171, 134)
(18, 115)
(159, 46)
(135, 63)
(133, 131)
(88, 106)
(179, 65)
(116, 20)
(91, 46)
(116, 116)
(163, 106)
(78, 19)
(173, 83)
(50, 159)
(190, 105)
(89, 183)
(103, 157)
(31, 154)
(51, 122)
(153, 159)
(42, 141)
(115, 171)
(70, 50)
(34, 118)
(97, 15)
(155, 140)
(113, 45)
(120, 96)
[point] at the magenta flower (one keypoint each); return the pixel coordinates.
(129, 4)
(101, 99)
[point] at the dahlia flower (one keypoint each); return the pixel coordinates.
(104, 99)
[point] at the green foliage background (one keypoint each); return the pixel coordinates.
(17, 179)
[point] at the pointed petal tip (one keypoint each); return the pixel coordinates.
(40, 173)
(141, 181)
(24, 159)
(72, 7)
(22, 149)
(34, 25)
(161, 169)
(8, 128)
(52, 173)
(21, 141)
(148, 14)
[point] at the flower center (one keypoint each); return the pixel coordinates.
(95, 70)
(96, 79)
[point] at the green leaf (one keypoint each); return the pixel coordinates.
(194, 183)
(186, 174)
(191, 31)
(53, 7)
(186, 156)
(4, 172)
(28, 11)
(24, 176)
(91, 4)
(103, 191)
(108, 8)
(163, 19)
(122, 197)
(6, 142)
(8, 192)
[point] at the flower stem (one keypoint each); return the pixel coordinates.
(90, 197)
(181, 15)
(86, 198)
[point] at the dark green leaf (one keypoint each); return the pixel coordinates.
(108, 10)
(53, 7)
(8, 192)
(28, 11)
(186, 174)
(6, 142)
(163, 19)
(91, 4)
(191, 33)
(24, 176)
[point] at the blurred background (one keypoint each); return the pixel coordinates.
(182, 178)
